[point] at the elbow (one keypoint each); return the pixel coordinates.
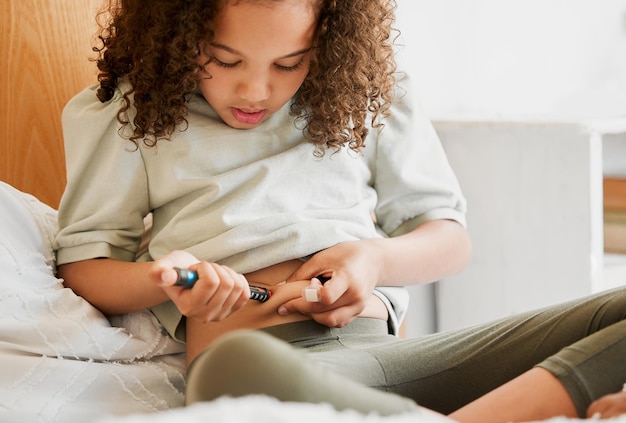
(73, 276)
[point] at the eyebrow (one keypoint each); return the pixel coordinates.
(233, 51)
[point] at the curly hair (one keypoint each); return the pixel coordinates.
(154, 45)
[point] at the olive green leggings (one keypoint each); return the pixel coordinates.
(582, 342)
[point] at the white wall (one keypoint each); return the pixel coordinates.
(517, 57)
(510, 85)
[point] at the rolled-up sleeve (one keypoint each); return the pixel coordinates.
(106, 198)
(412, 176)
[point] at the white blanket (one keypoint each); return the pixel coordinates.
(61, 360)
(260, 409)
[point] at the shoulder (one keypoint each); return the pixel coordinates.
(86, 110)
(88, 98)
(87, 122)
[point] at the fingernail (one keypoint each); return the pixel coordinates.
(163, 279)
(282, 311)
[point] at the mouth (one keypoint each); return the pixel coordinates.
(250, 117)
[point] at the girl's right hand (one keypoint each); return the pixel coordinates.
(218, 292)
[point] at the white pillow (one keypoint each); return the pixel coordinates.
(39, 315)
(61, 359)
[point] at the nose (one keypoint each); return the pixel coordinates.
(254, 87)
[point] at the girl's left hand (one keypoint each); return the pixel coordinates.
(354, 269)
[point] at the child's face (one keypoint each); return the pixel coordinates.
(259, 58)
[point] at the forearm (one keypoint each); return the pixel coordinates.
(433, 250)
(112, 286)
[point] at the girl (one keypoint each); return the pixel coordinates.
(273, 143)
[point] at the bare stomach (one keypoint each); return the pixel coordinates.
(256, 315)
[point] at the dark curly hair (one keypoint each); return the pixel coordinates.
(154, 44)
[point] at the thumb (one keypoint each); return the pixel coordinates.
(169, 276)
(163, 272)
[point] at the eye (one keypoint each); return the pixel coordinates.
(290, 68)
(224, 64)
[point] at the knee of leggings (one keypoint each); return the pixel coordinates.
(243, 363)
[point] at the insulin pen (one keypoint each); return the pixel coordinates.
(187, 278)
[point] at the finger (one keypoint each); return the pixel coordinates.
(240, 292)
(610, 405)
(299, 305)
(309, 269)
(593, 411)
(599, 406)
(167, 277)
(162, 272)
(225, 285)
(311, 293)
(232, 293)
(193, 302)
(336, 318)
(334, 289)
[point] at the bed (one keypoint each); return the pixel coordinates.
(61, 359)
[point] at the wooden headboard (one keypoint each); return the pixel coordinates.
(45, 51)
